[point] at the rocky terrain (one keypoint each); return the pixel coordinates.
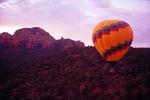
(32, 38)
(6, 40)
(74, 74)
(35, 38)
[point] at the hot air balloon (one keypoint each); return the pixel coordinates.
(112, 39)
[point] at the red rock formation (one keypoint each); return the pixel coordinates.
(32, 38)
(6, 40)
(68, 43)
(36, 37)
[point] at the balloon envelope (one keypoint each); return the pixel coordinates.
(112, 39)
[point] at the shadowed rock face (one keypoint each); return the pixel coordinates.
(35, 38)
(6, 40)
(67, 43)
(32, 38)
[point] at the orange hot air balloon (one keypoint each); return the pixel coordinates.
(112, 39)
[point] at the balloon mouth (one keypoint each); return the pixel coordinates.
(112, 63)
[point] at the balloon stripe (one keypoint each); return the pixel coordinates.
(99, 48)
(100, 41)
(115, 56)
(115, 49)
(94, 38)
(108, 29)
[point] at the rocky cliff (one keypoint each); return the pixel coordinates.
(32, 38)
(35, 38)
(67, 43)
(5, 40)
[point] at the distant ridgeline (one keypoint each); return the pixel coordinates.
(35, 38)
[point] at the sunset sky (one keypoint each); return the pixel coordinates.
(76, 19)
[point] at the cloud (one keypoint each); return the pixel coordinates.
(76, 18)
(1, 1)
(53, 11)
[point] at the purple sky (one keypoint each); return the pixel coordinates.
(76, 19)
